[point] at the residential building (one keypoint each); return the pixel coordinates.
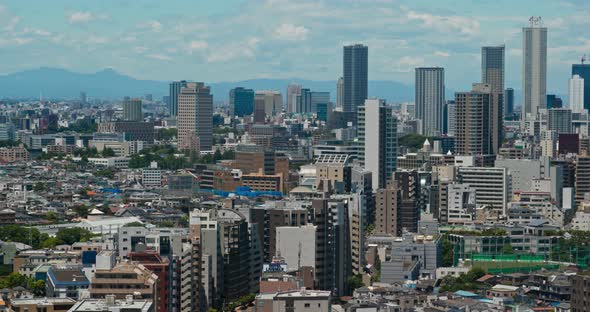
(560, 120)
(386, 207)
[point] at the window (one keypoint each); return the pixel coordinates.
(307, 305)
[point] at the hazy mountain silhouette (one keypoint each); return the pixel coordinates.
(110, 84)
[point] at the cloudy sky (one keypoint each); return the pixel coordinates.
(230, 40)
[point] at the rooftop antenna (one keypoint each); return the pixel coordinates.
(535, 21)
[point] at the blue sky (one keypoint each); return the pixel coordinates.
(232, 40)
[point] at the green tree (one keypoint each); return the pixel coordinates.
(21, 234)
(507, 249)
(81, 210)
(108, 152)
(36, 287)
(50, 243)
(73, 235)
(51, 217)
(136, 223)
(354, 282)
(412, 141)
(447, 251)
(39, 187)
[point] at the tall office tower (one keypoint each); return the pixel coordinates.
(83, 97)
(175, 87)
(339, 93)
(509, 102)
(293, 90)
(241, 102)
(386, 205)
(475, 133)
(451, 118)
(195, 117)
(560, 120)
(303, 101)
(534, 68)
(355, 77)
(583, 70)
(273, 101)
(259, 110)
(492, 73)
(132, 110)
(333, 263)
(319, 98)
(377, 134)
(576, 93)
(430, 99)
(492, 67)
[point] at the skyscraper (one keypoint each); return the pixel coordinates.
(509, 100)
(534, 68)
(430, 98)
(583, 70)
(293, 90)
(132, 110)
(273, 101)
(195, 117)
(303, 102)
(492, 67)
(377, 132)
(318, 98)
(576, 93)
(473, 121)
(355, 77)
(339, 93)
(241, 101)
(175, 87)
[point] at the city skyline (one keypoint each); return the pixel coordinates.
(231, 41)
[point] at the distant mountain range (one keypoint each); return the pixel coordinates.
(56, 83)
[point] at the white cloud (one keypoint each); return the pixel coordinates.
(447, 24)
(158, 56)
(80, 17)
(97, 40)
(291, 32)
(246, 49)
(442, 53)
(407, 64)
(197, 45)
(85, 17)
(155, 26)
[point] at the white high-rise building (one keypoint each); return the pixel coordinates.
(377, 133)
(293, 90)
(576, 94)
(534, 68)
(430, 99)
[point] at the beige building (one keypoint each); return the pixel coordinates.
(14, 154)
(273, 101)
(195, 117)
(122, 279)
(386, 204)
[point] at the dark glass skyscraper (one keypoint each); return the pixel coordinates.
(492, 67)
(175, 87)
(355, 78)
(583, 70)
(509, 99)
(241, 101)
